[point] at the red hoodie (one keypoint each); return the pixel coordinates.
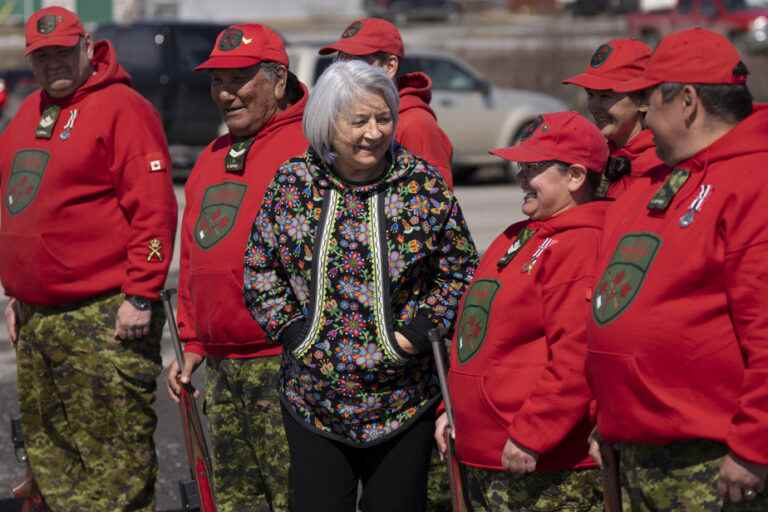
(91, 209)
(417, 127)
(641, 152)
(221, 208)
(517, 360)
(678, 335)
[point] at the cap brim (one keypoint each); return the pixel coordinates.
(522, 153)
(595, 82)
(348, 46)
(67, 41)
(227, 62)
(638, 84)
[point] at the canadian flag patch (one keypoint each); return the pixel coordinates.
(156, 162)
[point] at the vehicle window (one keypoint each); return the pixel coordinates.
(684, 6)
(194, 45)
(320, 66)
(137, 49)
(446, 75)
(742, 5)
(708, 8)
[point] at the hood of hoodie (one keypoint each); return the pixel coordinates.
(746, 138)
(106, 71)
(292, 114)
(402, 164)
(586, 215)
(641, 152)
(415, 92)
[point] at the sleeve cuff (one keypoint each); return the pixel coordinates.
(292, 334)
(194, 347)
(416, 332)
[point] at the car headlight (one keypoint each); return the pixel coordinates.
(759, 23)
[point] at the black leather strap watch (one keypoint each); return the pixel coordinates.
(139, 303)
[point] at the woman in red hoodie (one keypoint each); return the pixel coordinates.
(521, 401)
(618, 115)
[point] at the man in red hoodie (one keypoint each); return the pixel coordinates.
(88, 219)
(678, 335)
(262, 104)
(378, 42)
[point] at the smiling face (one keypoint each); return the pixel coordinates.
(60, 70)
(246, 97)
(617, 115)
(548, 188)
(362, 137)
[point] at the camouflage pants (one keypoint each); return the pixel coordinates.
(564, 491)
(86, 406)
(438, 485)
(250, 450)
(680, 477)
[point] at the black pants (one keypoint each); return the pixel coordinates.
(325, 473)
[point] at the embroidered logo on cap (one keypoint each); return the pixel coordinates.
(352, 30)
(47, 23)
(529, 129)
(231, 38)
(600, 55)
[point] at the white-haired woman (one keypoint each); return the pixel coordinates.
(359, 249)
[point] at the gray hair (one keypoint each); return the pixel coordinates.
(336, 91)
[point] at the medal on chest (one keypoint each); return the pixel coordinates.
(695, 207)
(543, 246)
(64, 135)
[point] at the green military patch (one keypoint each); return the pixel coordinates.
(663, 197)
(235, 159)
(47, 122)
(530, 128)
(218, 212)
(351, 30)
(473, 324)
(624, 276)
(47, 24)
(230, 39)
(26, 173)
(601, 55)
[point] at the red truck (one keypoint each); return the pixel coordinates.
(745, 22)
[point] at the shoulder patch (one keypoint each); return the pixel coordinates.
(26, 174)
(218, 212)
(624, 276)
(473, 324)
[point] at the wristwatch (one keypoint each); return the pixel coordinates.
(139, 303)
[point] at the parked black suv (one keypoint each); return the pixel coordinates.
(161, 58)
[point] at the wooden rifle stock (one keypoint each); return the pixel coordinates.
(455, 474)
(194, 436)
(611, 480)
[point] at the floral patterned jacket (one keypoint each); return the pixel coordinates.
(333, 269)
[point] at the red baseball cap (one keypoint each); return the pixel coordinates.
(612, 64)
(693, 56)
(367, 36)
(52, 26)
(243, 46)
(564, 136)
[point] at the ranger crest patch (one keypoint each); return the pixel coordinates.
(473, 324)
(218, 212)
(624, 276)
